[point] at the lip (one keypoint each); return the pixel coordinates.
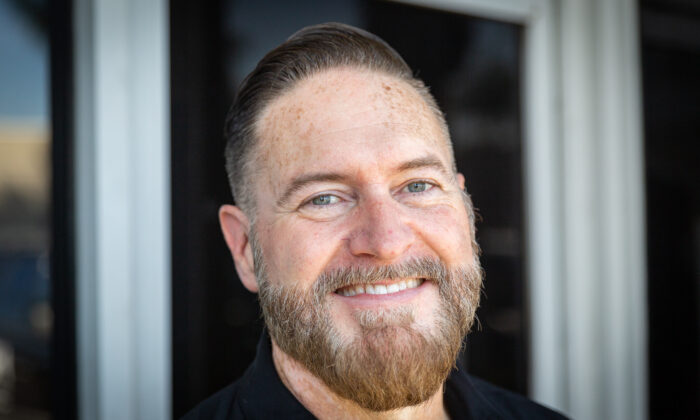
(366, 300)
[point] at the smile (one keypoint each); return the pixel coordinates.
(380, 289)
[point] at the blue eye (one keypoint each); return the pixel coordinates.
(417, 187)
(324, 200)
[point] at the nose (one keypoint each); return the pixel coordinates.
(381, 231)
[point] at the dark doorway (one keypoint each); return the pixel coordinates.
(671, 93)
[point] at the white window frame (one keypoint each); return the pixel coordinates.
(584, 201)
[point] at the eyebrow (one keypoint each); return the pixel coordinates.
(301, 181)
(428, 161)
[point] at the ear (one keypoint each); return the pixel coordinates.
(236, 229)
(460, 181)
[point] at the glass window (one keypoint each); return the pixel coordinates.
(25, 169)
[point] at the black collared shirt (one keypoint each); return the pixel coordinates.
(260, 394)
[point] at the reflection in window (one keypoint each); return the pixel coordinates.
(25, 310)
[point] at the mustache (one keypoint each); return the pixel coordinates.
(419, 267)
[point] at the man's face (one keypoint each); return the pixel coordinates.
(353, 178)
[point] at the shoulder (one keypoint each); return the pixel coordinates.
(482, 400)
(258, 394)
(218, 406)
(512, 405)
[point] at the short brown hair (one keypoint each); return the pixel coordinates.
(309, 51)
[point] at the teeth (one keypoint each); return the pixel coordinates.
(380, 289)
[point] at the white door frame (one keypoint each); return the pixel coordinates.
(584, 201)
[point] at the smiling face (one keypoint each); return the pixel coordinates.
(361, 234)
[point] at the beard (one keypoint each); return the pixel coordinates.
(391, 363)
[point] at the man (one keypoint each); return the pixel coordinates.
(354, 227)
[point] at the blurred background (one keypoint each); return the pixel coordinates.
(575, 125)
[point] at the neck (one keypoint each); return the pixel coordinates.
(323, 403)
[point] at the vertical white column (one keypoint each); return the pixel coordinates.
(581, 177)
(123, 205)
(603, 236)
(542, 163)
(622, 206)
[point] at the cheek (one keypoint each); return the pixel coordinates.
(446, 230)
(299, 252)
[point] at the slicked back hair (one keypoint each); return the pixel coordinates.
(309, 51)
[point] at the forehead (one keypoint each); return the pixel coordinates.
(338, 97)
(336, 112)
